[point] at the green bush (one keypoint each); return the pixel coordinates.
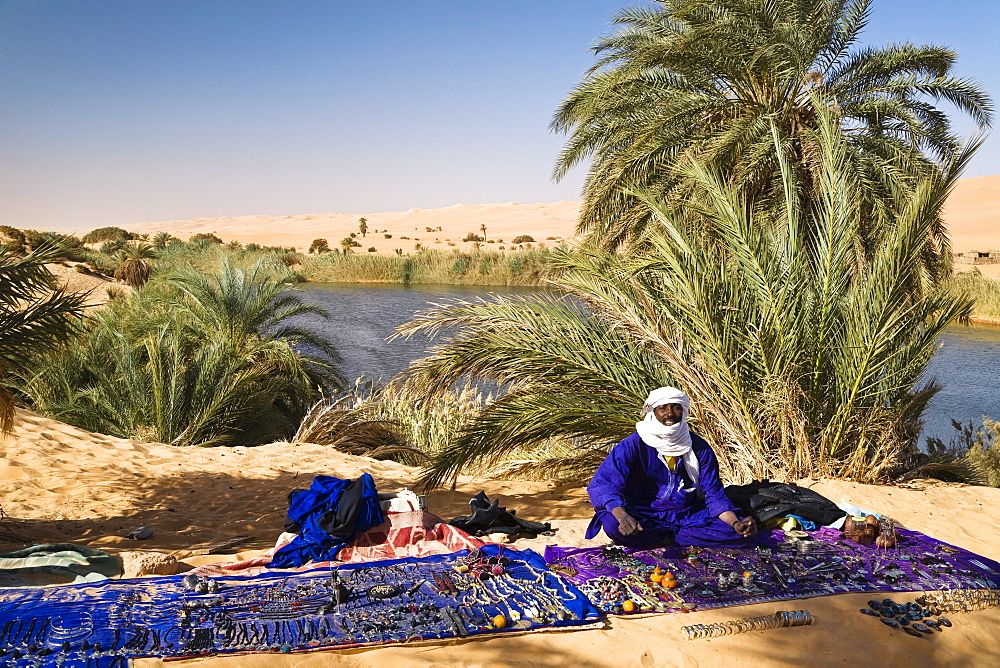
(204, 238)
(319, 246)
(106, 234)
(12, 237)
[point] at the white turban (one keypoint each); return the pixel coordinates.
(669, 440)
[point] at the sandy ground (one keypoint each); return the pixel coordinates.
(95, 287)
(59, 483)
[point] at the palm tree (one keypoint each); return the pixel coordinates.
(161, 239)
(257, 305)
(214, 363)
(133, 263)
(802, 351)
(33, 315)
(718, 77)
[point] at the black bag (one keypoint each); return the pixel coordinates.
(490, 517)
(765, 500)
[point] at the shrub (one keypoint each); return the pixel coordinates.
(461, 265)
(106, 234)
(523, 239)
(12, 237)
(387, 236)
(291, 259)
(472, 237)
(113, 246)
(319, 246)
(204, 238)
(372, 249)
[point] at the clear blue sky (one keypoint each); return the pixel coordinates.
(118, 112)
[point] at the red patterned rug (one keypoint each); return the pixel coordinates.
(414, 533)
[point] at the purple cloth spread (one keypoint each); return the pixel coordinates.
(662, 501)
(714, 577)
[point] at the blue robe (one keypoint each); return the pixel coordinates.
(634, 476)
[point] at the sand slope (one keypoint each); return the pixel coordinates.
(60, 483)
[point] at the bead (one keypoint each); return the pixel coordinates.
(499, 622)
(628, 605)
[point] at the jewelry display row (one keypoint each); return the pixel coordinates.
(347, 605)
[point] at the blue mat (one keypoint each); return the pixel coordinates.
(98, 626)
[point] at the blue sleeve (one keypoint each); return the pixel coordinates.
(711, 484)
(607, 488)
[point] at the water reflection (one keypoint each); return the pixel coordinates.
(363, 316)
(968, 368)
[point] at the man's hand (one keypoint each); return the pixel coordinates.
(745, 527)
(627, 525)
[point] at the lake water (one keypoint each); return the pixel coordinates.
(362, 316)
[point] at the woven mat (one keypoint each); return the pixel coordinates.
(386, 602)
(770, 570)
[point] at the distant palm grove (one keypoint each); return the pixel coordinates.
(761, 226)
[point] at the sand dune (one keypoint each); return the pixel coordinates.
(60, 483)
(972, 215)
(503, 222)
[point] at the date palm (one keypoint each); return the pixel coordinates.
(34, 315)
(162, 239)
(217, 360)
(255, 305)
(802, 351)
(133, 263)
(717, 77)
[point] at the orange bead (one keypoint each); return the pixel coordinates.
(499, 621)
(668, 575)
(628, 606)
(670, 584)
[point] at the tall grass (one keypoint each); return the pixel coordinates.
(529, 267)
(985, 291)
(391, 420)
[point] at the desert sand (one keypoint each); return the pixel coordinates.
(972, 215)
(545, 223)
(59, 483)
